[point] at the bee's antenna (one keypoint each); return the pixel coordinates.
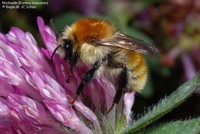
(54, 52)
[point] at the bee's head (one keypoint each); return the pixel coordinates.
(66, 49)
(82, 31)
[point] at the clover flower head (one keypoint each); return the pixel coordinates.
(34, 95)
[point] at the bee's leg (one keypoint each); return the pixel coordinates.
(122, 84)
(73, 62)
(87, 77)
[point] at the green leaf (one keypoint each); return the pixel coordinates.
(178, 127)
(165, 105)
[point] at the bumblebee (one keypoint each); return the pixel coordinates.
(98, 43)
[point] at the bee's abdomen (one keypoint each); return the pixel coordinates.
(137, 72)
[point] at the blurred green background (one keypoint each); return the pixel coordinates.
(173, 26)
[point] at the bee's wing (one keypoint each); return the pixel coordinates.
(130, 43)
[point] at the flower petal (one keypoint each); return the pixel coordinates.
(48, 87)
(66, 115)
(47, 34)
(4, 110)
(89, 115)
(28, 109)
(129, 99)
(188, 66)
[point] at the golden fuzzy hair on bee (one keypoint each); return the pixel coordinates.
(86, 30)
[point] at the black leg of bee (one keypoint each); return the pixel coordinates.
(87, 77)
(73, 62)
(122, 84)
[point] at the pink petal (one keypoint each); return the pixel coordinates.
(29, 54)
(109, 90)
(9, 72)
(4, 110)
(28, 109)
(188, 66)
(129, 99)
(89, 115)
(5, 88)
(47, 34)
(13, 75)
(9, 53)
(9, 127)
(48, 87)
(29, 127)
(67, 116)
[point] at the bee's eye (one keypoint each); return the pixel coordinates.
(67, 44)
(68, 49)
